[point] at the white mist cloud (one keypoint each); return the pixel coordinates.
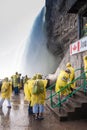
(37, 58)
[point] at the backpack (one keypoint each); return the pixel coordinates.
(38, 87)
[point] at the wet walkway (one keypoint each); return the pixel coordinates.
(17, 118)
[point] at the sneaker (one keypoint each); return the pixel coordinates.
(40, 118)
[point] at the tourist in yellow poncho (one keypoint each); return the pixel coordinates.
(62, 81)
(27, 93)
(19, 81)
(6, 91)
(25, 81)
(37, 100)
(85, 64)
(15, 83)
(72, 75)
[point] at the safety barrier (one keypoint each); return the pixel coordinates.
(58, 94)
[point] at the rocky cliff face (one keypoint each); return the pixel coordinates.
(62, 30)
(61, 26)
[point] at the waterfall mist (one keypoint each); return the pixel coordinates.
(36, 57)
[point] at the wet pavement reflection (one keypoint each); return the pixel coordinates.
(17, 118)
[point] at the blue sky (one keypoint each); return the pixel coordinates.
(16, 19)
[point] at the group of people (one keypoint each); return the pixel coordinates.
(9, 85)
(66, 77)
(35, 88)
(36, 100)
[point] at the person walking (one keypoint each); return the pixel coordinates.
(36, 95)
(15, 83)
(72, 76)
(61, 82)
(6, 91)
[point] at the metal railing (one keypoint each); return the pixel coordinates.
(58, 94)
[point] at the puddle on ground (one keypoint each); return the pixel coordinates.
(17, 118)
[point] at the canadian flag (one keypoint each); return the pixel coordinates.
(75, 47)
(79, 46)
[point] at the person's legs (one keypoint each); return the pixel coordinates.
(1, 102)
(41, 111)
(16, 90)
(30, 111)
(35, 110)
(9, 103)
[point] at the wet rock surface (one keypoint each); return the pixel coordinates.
(17, 118)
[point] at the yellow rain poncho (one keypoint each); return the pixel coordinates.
(25, 79)
(38, 76)
(6, 90)
(72, 74)
(14, 80)
(35, 99)
(85, 63)
(26, 98)
(61, 82)
(18, 80)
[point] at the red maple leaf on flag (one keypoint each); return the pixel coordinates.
(74, 47)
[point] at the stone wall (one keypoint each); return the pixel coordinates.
(62, 30)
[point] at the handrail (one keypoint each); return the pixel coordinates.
(67, 85)
(69, 95)
(52, 85)
(79, 69)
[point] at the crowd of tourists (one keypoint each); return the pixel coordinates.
(35, 88)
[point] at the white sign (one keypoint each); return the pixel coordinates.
(78, 46)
